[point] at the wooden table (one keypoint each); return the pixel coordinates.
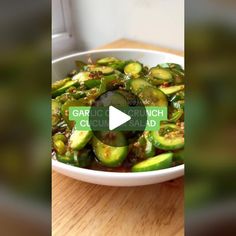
(84, 209)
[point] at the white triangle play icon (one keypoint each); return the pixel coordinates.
(117, 118)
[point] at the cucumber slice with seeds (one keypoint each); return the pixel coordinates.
(109, 155)
(169, 137)
(159, 162)
(62, 89)
(79, 139)
(106, 60)
(133, 69)
(137, 85)
(172, 89)
(106, 70)
(159, 73)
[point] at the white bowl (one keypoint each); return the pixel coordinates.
(61, 66)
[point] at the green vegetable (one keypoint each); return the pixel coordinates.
(160, 86)
(137, 85)
(109, 155)
(106, 70)
(58, 84)
(106, 60)
(133, 69)
(80, 64)
(151, 96)
(118, 65)
(176, 116)
(109, 82)
(159, 162)
(169, 137)
(178, 157)
(81, 77)
(59, 146)
(178, 104)
(56, 112)
(92, 83)
(160, 75)
(176, 71)
(84, 157)
(171, 89)
(143, 148)
(59, 136)
(62, 89)
(79, 139)
(65, 109)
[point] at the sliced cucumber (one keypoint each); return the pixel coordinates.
(81, 77)
(106, 70)
(55, 107)
(143, 148)
(161, 74)
(176, 70)
(118, 65)
(172, 89)
(67, 158)
(176, 115)
(171, 66)
(79, 139)
(108, 82)
(58, 84)
(62, 89)
(71, 103)
(159, 162)
(169, 137)
(178, 76)
(59, 146)
(84, 157)
(137, 85)
(80, 64)
(56, 112)
(178, 157)
(133, 69)
(106, 60)
(92, 83)
(109, 155)
(178, 104)
(178, 96)
(151, 96)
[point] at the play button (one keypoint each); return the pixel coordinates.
(117, 111)
(117, 118)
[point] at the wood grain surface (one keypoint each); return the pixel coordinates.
(84, 209)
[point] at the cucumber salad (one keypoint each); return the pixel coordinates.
(161, 85)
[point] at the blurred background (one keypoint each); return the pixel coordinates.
(210, 150)
(79, 25)
(30, 37)
(25, 71)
